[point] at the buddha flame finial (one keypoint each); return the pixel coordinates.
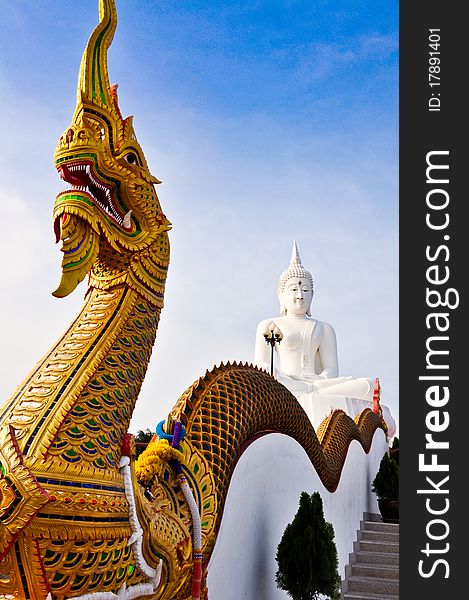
(295, 269)
(295, 257)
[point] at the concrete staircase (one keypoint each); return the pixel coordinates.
(373, 569)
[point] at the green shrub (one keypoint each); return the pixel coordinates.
(386, 482)
(142, 437)
(394, 452)
(307, 554)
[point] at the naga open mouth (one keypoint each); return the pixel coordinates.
(83, 178)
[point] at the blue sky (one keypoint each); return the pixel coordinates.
(267, 122)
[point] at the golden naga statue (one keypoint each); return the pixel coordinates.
(75, 522)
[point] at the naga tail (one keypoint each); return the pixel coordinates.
(229, 408)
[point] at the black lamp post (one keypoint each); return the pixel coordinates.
(272, 336)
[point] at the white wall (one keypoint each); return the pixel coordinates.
(263, 498)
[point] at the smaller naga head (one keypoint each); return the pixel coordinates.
(109, 221)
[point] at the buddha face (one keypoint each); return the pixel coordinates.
(296, 296)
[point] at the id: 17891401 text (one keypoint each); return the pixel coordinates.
(434, 70)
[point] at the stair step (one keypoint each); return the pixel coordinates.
(373, 585)
(379, 536)
(379, 526)
(367, 596)
(376, 517)
(373, 571)
(377, 558)
(367, 570)
(371, 546)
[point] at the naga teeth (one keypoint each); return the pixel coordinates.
(126, 221)
(107, 207)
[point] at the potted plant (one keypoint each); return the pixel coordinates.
(386, 486)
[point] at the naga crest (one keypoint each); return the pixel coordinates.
(110, 221)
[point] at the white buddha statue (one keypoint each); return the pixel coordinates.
(306, 356)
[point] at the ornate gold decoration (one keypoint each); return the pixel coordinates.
(74, 519)
(21, 497)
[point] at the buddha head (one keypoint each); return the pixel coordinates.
(295, 287)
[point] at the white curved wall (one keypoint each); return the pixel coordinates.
(263, 498)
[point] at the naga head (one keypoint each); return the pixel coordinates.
(109, 221)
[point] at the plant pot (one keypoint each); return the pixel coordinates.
(389, 509)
